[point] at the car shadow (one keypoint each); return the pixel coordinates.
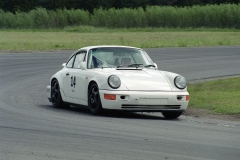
(112, 113)
(132, 115)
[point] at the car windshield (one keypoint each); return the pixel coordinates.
(117, 57)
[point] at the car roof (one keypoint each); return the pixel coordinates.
(103, 46)
(99, 46)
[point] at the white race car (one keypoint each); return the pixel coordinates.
(118, 78)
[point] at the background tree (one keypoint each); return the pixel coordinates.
(90, 5)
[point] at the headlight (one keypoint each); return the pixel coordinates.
(180, 82)
(114, 81)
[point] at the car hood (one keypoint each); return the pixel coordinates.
(144, 80)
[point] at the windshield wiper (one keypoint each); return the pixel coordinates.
(135, 65)
(106, 67)
(150, 65)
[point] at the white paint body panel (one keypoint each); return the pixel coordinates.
(153, 100)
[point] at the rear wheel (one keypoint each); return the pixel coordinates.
(94, 101)
(56, 97)
(171, 115)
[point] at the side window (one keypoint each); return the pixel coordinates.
(79, 58)
(70, 62)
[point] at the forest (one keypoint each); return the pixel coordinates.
(90, 5)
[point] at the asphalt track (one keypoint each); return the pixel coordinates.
(30, 128)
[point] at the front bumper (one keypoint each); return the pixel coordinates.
(49, 93)
(145, 101)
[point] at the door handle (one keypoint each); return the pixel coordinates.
(67, 74)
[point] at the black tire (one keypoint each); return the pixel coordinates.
(94, 101)
(56, 97)
(171, 115)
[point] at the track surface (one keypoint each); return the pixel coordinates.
(30, 128)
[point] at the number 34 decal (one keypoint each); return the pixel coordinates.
(73, 81)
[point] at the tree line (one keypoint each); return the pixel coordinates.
(90, 5)
(209, 16)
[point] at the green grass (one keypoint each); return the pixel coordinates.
(89, 29)
(77, 37)
(218, 96)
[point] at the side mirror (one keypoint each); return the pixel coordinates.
(156, 66)
(83, 65)
(64, 64)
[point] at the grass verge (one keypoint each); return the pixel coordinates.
(73, 38)
(218, 96)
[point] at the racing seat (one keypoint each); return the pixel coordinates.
(116, 63)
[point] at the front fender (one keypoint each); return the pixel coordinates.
(59, 77)
(170, 77)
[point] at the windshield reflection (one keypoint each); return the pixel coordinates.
(116, 57)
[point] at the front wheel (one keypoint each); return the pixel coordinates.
(171, 115)
(56, 97)
(94, 101)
